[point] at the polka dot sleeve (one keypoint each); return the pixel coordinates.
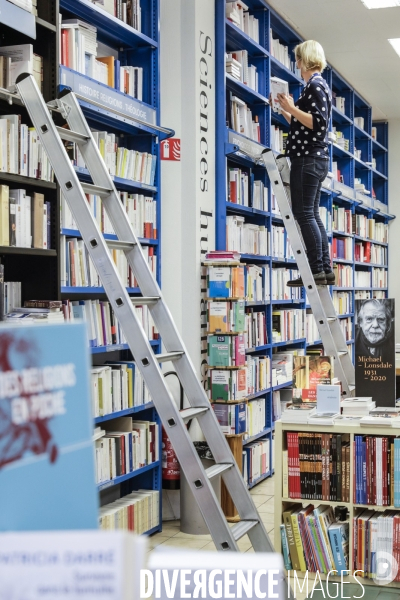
(319, 107)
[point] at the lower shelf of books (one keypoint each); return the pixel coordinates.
(337, 506)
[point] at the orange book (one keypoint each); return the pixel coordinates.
(109, 61)
(238, 282)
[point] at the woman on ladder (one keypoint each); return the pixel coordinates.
(308, 150)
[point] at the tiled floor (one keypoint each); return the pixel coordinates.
(263, 496)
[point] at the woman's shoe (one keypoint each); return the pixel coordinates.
(330, 278)
(319, 278)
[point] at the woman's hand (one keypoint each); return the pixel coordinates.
(286, 103)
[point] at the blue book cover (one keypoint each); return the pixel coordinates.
(339, 539)
(153, 169)
(46, 429)
(397, 472)
(364, 472)
(117, 74)
(219, 282)
(240, 418)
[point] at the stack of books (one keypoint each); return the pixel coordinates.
(357, 407)
(38, 312)
(242, 121)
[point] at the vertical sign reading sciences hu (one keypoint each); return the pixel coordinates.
(375, 351)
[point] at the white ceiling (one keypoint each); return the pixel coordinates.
(355, 43)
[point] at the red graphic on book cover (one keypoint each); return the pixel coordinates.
(16, 441)
(171, 149)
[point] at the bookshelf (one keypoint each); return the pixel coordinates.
(350, 429)
(28, 265)
(362, 161)
(135, 124)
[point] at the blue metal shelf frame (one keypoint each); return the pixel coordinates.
(229, 145)
(138, 49)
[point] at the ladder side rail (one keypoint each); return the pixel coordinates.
(124, 312)
(314, 295)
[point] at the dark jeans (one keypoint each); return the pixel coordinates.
(306, 177)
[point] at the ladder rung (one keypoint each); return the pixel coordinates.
(192, 413)
(140, 300)
(96, 190)
(169, 356)
(119, 245)
(240, 529)
(343, 352)
(331, 319)
(216, 470)
(71, 136)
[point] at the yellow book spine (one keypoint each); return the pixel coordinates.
(297, 541)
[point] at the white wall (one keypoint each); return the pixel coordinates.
(394, 208)
(188, 187)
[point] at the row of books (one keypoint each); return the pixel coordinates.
(117, 386)
(15, 60)
(244, 190)
(21, 150)
(121, 162)
(278, 139)
(257, 460)
(347, 328)
(232, 417)
(377, 470)
(279, 288)
(340, 140)
(338, 102)
(79, 49)
(226, 317)
(238, 13)
(246, 238)
(78, 270)
(370, 253)
(342, 301)
(316, 466)
(343, 274)
(25, 221)
(138, 512)
(371, 229)
(280, 244)
(365, 294)
(288, 325)
(342, 219)
(326, 218)
(342, 248)
(226, 350)
(241, 119)
(128, 11)
(375, 278)
(312, 540)
(281, 53)
(311, 333)
(141, 211)
(103, 326)
(256, 329)
(256, 417)
(237, 66)
(374, 534)
(125, 445)
(227, 281)
(254, 377)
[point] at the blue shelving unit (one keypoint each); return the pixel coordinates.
(139, 123)
(232, 149)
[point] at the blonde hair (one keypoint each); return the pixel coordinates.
(311, 54)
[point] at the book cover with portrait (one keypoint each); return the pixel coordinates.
(375, 366)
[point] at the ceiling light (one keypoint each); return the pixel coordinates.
(396, 45)
(380, 3)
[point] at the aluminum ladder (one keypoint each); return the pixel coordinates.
(224, 536)
(320, 300)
